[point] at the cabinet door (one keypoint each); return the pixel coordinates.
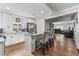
(4, 20)
(11, 20)
(11, 39)
(8, 40)
(20, 38)
(0, 20)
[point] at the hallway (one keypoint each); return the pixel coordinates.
(63, 46)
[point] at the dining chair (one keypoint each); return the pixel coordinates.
(51, 38)
(42, 42)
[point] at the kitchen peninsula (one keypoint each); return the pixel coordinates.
(30, 42)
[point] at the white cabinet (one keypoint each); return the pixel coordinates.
(1, 48)
(11, 39)
(4, 20)
(11, 20)
(14, 38)
(20, 37)
(0, 20)
(5, 23)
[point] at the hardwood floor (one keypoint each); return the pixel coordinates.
(13, 48)
(17, 50)
(62, 47)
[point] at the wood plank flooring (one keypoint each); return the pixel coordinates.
(13, 48)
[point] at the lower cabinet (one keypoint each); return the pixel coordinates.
(2, 44)
(10, 39)
(14, 39)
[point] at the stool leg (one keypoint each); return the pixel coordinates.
(47, 47)
(36, 45)
(42, 49)
(50, 42)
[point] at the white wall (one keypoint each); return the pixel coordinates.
(46, 26)
(77, 33)
(40, 26)
(0, 20)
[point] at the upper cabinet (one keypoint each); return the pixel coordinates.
(11, 23)
(0, 20)
(11, 20)
(5, 20)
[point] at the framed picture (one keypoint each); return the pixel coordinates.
(17, 19)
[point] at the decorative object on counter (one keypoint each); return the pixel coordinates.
(17, 19)
(24, 30)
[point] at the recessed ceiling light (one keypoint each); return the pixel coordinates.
(42, 12)
(7, 7)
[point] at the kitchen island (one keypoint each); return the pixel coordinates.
(30, 42)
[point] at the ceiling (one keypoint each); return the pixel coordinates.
(62, 18)
(26, 9)
(39, 10)
(57, 7)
